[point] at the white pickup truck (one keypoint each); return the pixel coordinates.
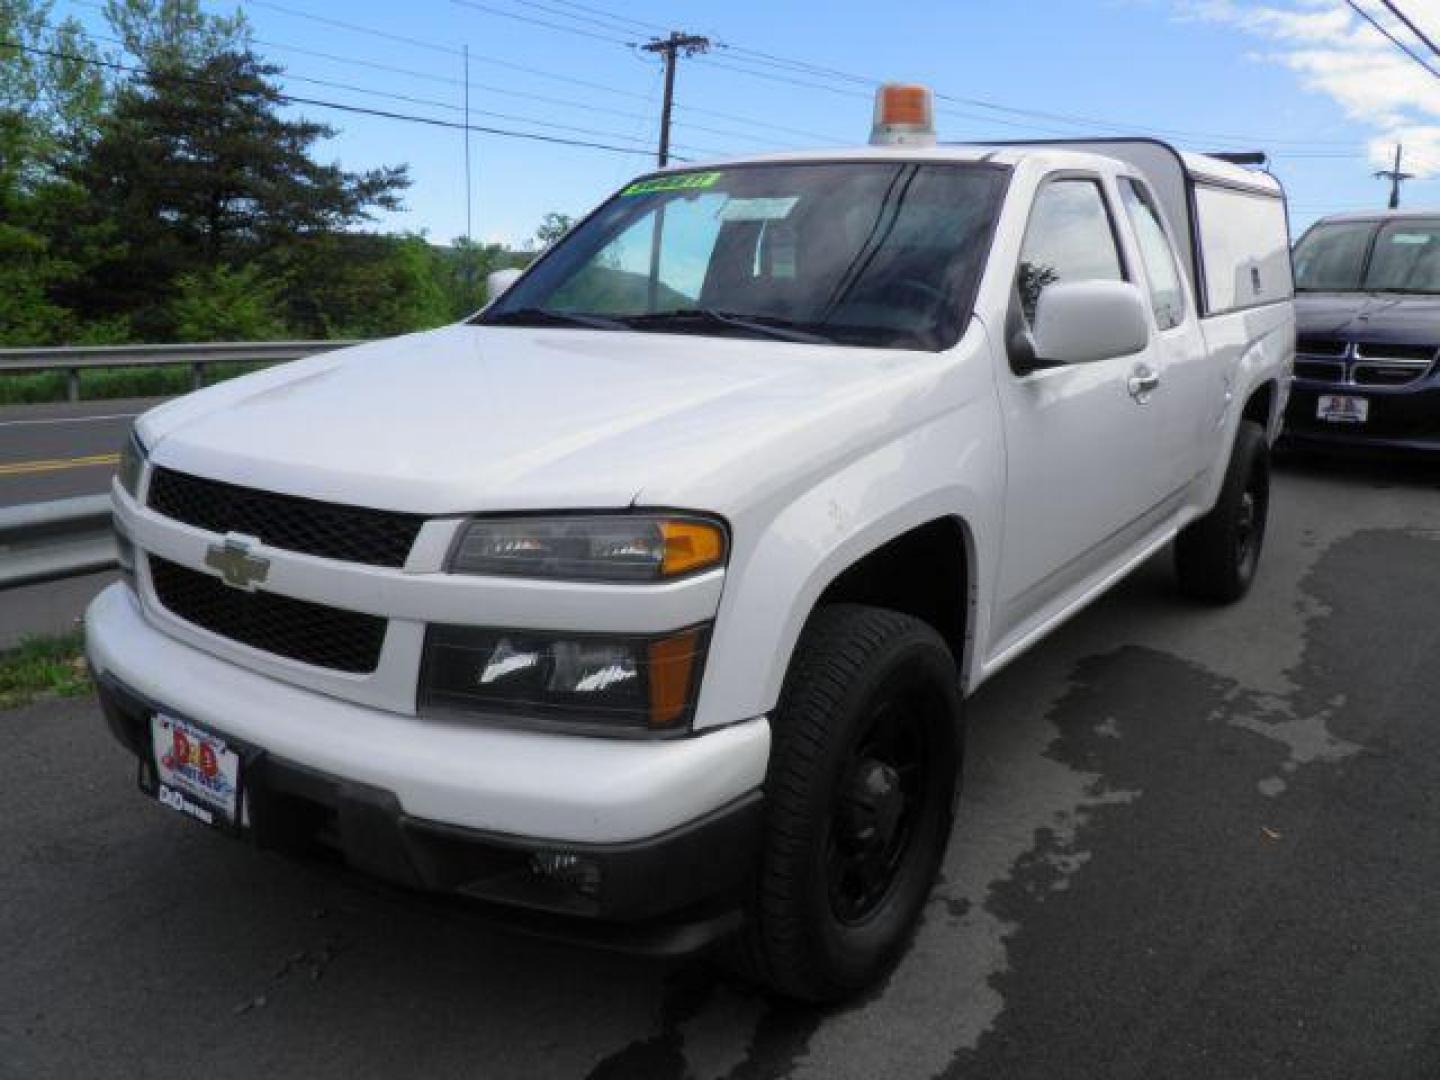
(642, 606)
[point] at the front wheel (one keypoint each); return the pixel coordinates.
(1216, 555)
(860, 797)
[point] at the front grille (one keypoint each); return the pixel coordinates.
(309, 526)
(1413, 353)
(297, 629)
(1318, 346)
(1377, 373)
(1320, 370)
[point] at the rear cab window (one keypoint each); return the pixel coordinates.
(1167, 289)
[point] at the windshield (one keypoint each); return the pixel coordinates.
(1339, 258)
(863, 253)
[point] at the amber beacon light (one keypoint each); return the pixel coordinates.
(904, 116)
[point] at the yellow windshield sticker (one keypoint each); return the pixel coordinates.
(697, 181)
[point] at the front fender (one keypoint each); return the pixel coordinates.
(950, 466)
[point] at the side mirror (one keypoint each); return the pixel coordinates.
(1083, 321)
(497, 281)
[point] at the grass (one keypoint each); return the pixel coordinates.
(99, 385)
(41, 667)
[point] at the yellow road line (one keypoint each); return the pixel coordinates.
(22, 468)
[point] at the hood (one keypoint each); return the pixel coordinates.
(1388, 318)
(469, 418)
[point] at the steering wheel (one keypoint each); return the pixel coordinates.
(922, 288)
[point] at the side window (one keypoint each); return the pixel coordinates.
(1167, 291)
(1069, 239)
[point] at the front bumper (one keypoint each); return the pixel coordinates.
(1402, 418)
(667, 830)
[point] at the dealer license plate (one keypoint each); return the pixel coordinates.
(1344, 409)
(196, 772)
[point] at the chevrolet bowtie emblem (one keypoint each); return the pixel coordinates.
(238, 568)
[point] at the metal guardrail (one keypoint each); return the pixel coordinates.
(69, 537)
(73, 359)
(51, 540)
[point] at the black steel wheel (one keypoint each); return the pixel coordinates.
(860, 798)
(1216, 556)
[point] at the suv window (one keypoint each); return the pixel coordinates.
(1070, 238)
(1332, 257)
(1167, 294)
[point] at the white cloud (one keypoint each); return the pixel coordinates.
(1335, 52)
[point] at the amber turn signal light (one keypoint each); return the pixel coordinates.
(690, 545)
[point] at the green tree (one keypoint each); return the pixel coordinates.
(552, 226)
(51, 91)
(462, 269)
(174, 35)
(203, 171)
(221, 304)
(50, 102)
(362, 285)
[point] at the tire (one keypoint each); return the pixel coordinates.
(1216, 556)
(860, 798)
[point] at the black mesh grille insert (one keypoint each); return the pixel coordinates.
(309, 526)
(311, 633)
(1319, 346)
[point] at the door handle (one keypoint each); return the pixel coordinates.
(1141, 383)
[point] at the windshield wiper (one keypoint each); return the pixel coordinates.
(535, 316)
(765, 326)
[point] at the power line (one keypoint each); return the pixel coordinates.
(1393, 39)
(1395, 10)
(1087, 122)
(467, 110)
(477, 6)
(293, 99)
(498, 62)
(643, 27)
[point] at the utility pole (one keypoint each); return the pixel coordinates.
(1395, 176)
(469, 224)
(676, 45)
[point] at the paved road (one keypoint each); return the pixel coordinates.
(1193, 843)
(55, 451)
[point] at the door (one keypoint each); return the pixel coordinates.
(1191, 396)
(1085, 481)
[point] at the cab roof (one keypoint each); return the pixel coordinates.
(1078, 152)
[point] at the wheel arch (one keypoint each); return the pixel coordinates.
(924, 572)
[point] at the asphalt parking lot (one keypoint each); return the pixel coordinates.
(1192, 843)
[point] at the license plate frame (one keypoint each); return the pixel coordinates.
(209, 785)
(1343, 409)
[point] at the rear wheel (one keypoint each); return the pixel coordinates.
(860, 798)
(1216, 556)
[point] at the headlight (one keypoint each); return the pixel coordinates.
(132, 461)
(590, 547)
(624, 683)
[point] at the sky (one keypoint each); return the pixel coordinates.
(1309, 81)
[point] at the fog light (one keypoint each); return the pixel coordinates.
(567, 868)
